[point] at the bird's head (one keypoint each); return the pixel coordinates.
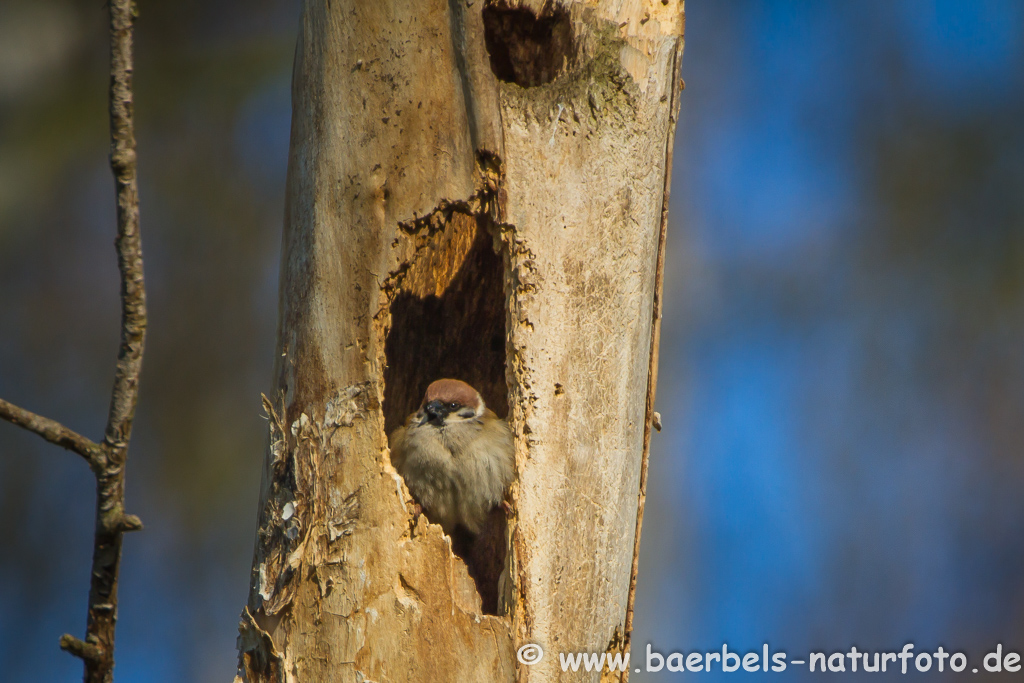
(450, 401)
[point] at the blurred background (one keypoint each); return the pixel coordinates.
(842, 380)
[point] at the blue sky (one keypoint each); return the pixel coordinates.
(809, 503)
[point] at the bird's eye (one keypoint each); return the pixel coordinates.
(453, 405)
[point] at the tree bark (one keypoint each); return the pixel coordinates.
(475, 190)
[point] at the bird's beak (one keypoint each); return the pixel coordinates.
(435, 412)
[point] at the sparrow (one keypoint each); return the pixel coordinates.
(455, 455)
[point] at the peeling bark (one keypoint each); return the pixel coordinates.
(475, 190)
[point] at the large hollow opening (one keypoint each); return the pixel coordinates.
(448, 320)
(448, 324)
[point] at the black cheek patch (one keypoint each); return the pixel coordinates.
(467, 413)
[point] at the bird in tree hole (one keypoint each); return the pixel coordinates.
(456, 457)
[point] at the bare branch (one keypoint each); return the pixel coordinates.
(108, 459)
(97, 651)
(52, 431)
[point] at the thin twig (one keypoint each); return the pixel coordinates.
(111, 520)
(52, 431)
(652, 370)
(129, 245)
(108, 459)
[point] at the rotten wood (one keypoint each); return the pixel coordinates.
(653, 419)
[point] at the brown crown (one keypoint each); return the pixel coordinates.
(451, 391)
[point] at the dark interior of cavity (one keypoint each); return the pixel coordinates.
(460, 334)
(527, 49)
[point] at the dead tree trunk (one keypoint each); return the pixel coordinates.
(476, 189)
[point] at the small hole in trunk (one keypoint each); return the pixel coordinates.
(527, 49)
